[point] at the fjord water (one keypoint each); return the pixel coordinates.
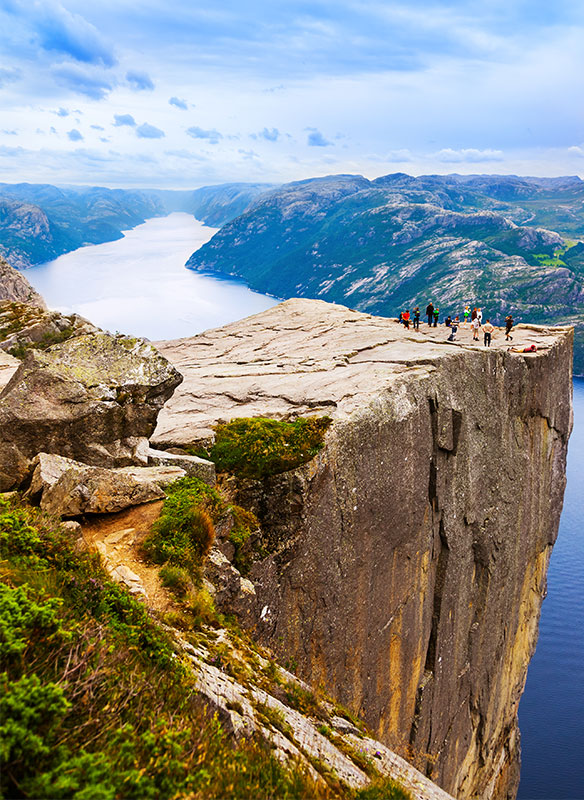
(139, 285)
(551, 712)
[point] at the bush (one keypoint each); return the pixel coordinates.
(183, 534)
(259, 447)
(176, 579)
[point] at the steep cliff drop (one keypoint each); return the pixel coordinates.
(407, 561)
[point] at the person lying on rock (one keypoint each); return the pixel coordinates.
(529, 349)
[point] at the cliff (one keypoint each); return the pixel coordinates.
(405, 565)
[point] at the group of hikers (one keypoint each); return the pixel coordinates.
(476, 322)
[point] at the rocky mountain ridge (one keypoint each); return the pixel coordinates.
(39, 222)
(397, 241)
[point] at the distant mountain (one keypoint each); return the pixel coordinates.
(505, 243)
(39, 222)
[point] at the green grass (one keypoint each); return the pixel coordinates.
(260, 447)
(95, 704)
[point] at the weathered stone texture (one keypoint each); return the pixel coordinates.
(94, 398)
(409, 557)
(14, 286)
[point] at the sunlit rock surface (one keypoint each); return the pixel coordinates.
(408, 559)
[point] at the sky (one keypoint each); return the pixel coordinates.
(143, 93)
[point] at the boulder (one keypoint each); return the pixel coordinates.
(68, 488)
(94, 398)
(233, 594)
(192, 465)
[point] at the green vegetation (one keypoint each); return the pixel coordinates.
(184, 532)
(260, 447)
(177, 579)
(384, 789)
(95, 705)
(303, 700)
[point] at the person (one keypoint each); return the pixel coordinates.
(488, 331)
(508, 327)
(436, 315)
(474, 326)
(406, 319)
(480, 316)
(448, 321)
(453, 329)
(416, 318)
(429, 312)
(529, 349)
(466, 314)
(473, 314)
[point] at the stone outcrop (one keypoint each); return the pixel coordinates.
(94, 398)
(30, 327)
(14, 286)
(68, 488)
(408, 559)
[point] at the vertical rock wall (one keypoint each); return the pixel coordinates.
(408, 559)
(416, 552)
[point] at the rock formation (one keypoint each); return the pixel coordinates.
(94, 398)
(14, 286)
(408, 560)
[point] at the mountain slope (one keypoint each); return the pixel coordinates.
(398, 241)
(40, 222)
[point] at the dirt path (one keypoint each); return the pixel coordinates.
(117, 537)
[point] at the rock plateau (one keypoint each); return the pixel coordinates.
(404, 567)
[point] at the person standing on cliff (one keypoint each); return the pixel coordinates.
(488, 331)
(436, 313)
(429, 312)
(473, 316)
(474, 326)
(406, 319)
(480, 316)
(466, 314)
(508, 327)
(416, 318)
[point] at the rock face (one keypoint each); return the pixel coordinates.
(14, 286)
(68, 488)
(408, 559)
(94, 398)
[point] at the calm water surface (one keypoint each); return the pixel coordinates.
(551, 712)
(139, 285)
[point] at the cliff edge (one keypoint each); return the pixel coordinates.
(404, 566)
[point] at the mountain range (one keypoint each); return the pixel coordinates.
(508, 244)
(504, 243)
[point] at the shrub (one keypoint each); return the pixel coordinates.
(176, 579)
(259, 447)
(183, 534)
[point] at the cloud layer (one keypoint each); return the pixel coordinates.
(288, 90)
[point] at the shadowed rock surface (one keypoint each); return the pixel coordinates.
(408, 559)
(94, 398)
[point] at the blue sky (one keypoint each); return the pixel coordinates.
(130, 93)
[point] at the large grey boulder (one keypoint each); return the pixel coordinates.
(94, 398)
(68, 488)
